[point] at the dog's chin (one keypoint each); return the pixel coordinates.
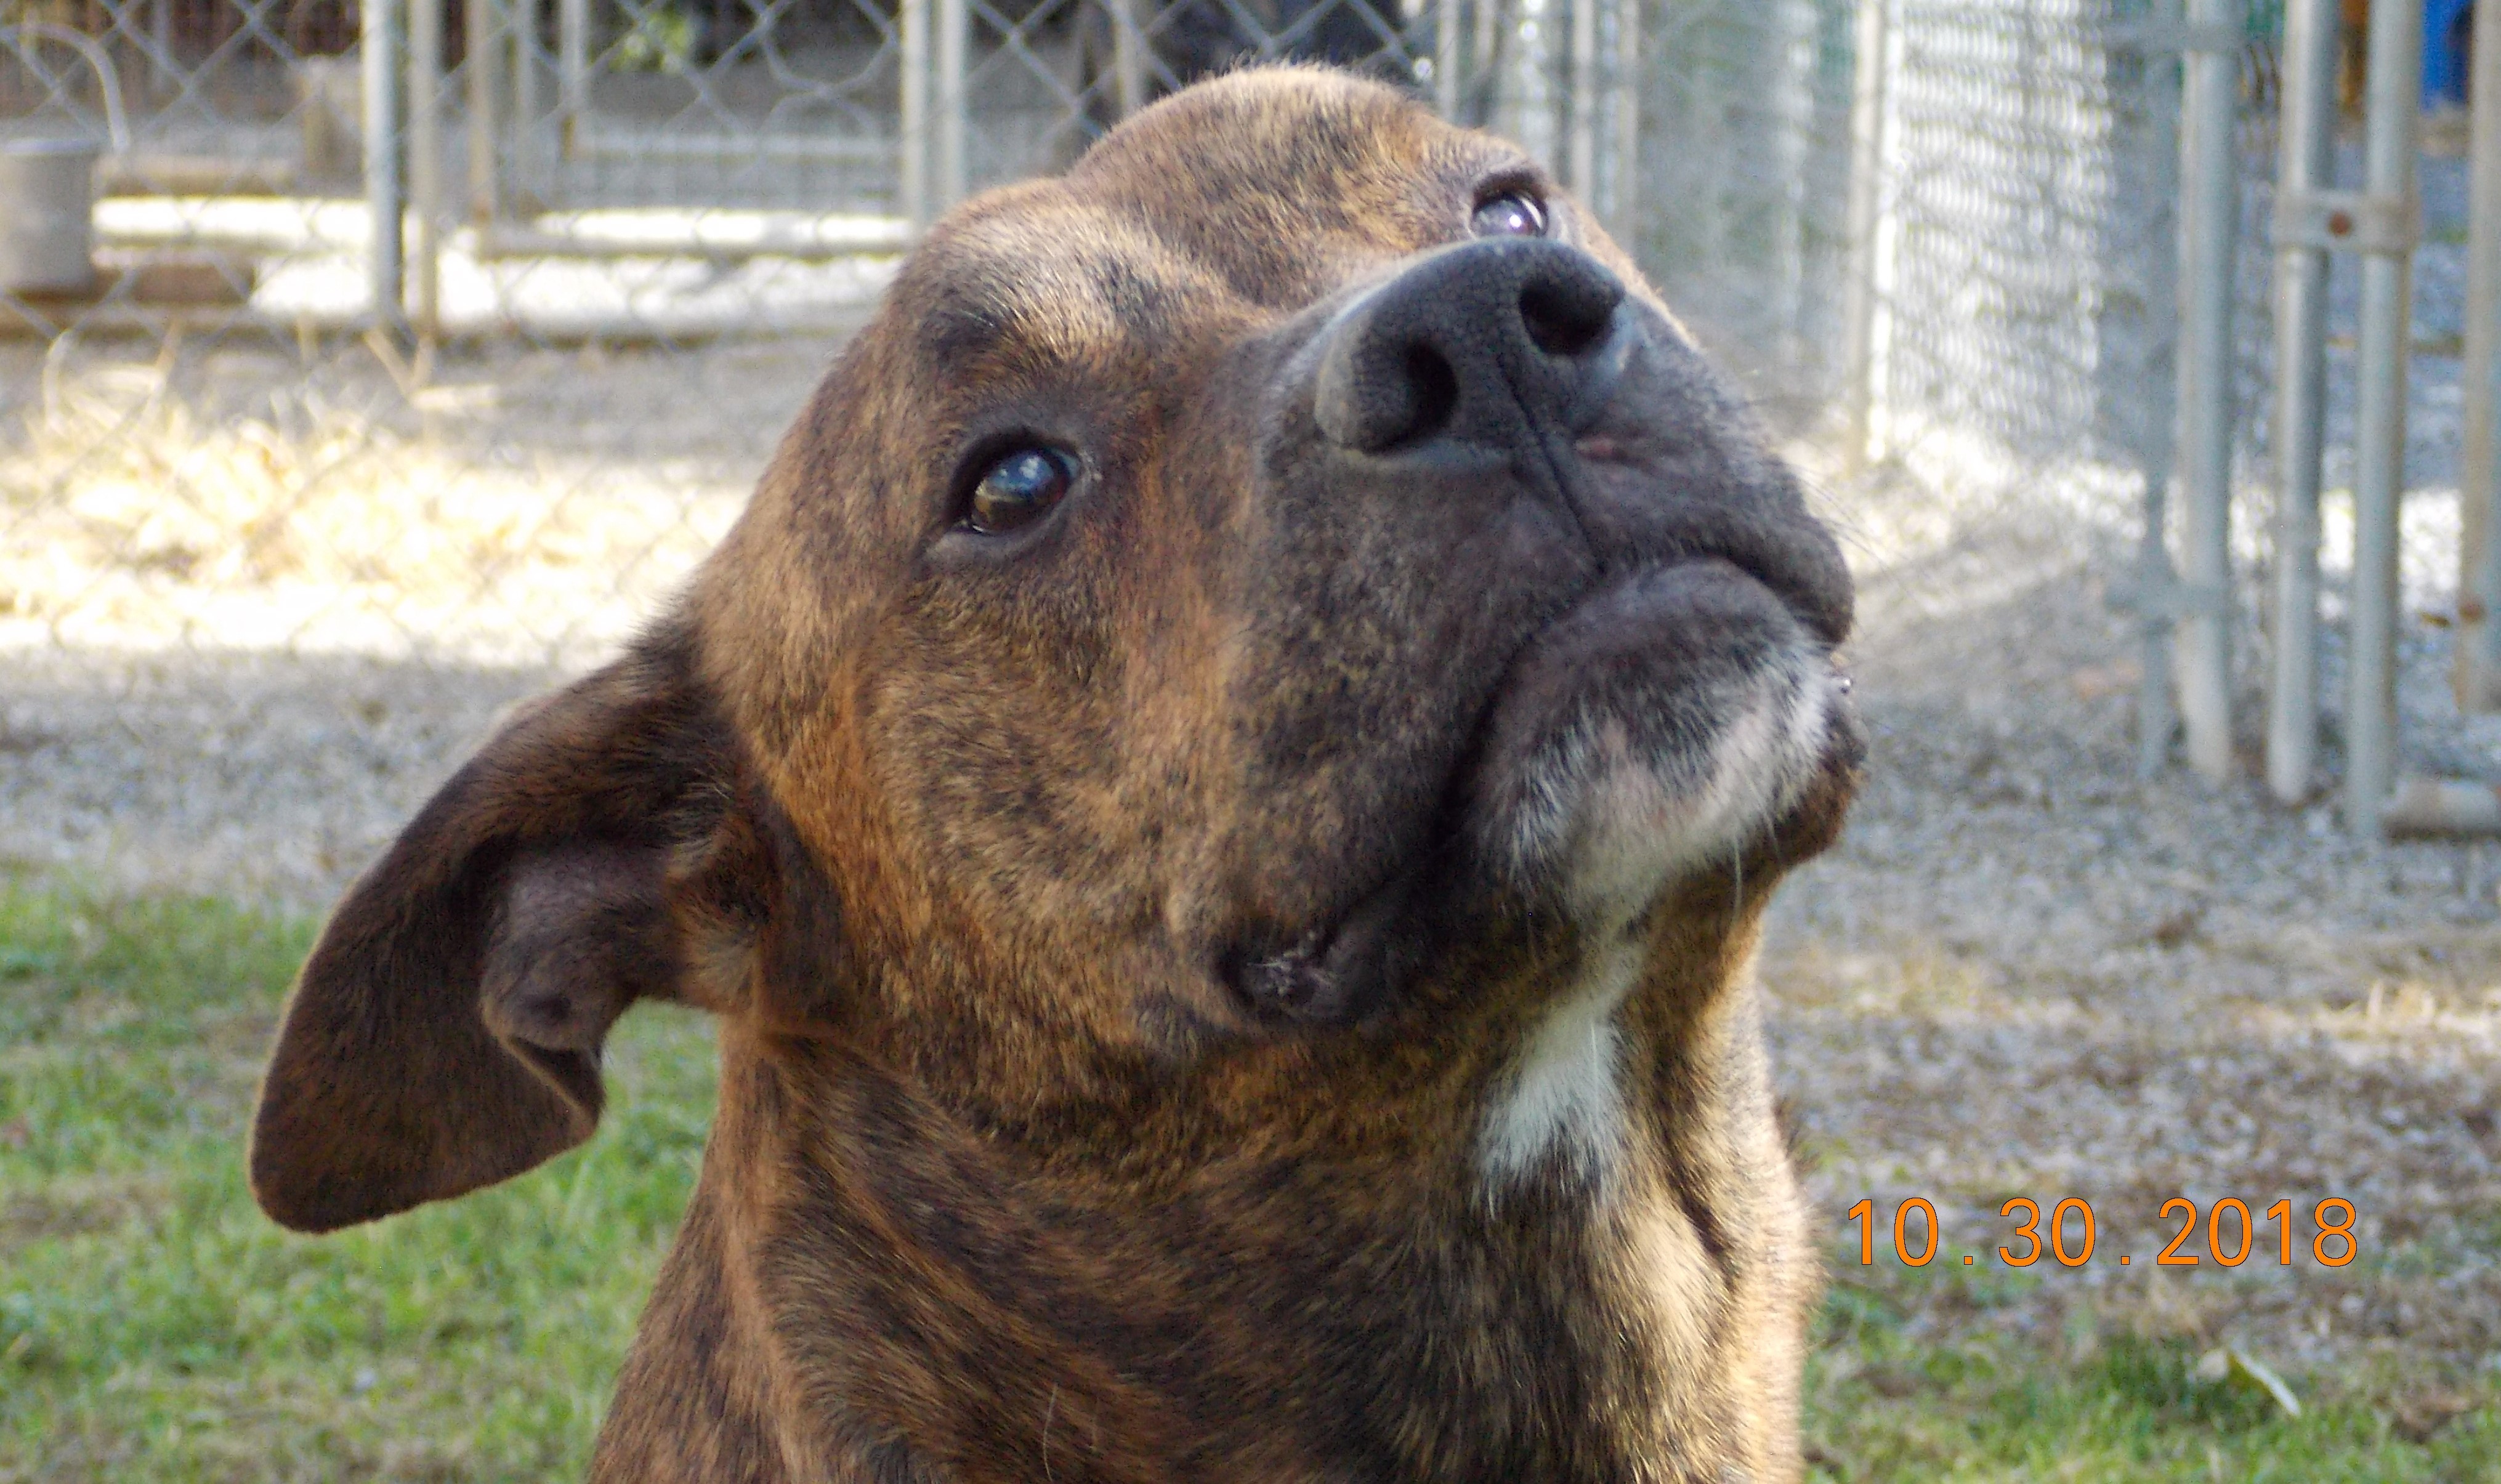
(1669, 726)
(1679, 722)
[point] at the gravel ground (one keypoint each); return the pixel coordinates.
(2024, 973)
(2021, 973)
(257, 600)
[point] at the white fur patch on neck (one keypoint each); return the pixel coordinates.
(1627, 825)
(1562, 1098)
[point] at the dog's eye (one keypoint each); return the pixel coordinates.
(1513, 213)
(1018, 489)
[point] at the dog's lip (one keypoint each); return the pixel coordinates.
(1598, 593)
(1342, 968)
(1795, 563)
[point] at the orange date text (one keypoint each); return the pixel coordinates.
(2068, 1234)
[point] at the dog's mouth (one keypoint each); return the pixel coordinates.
(1666, 721)
(1349, 964)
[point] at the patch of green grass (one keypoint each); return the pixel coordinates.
(154, 1326)
(1886, 1403)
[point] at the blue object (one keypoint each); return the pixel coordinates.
(2448, 26)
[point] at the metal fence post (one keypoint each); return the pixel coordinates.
(2303, 166)
(384, 204)
(2394, 89)
(1129, 58)
(1530, 111)
(2155, 431)
(1485, 63)
(1584, 99)
(2209, 223)
(913, 115)
(2478, 673)
(163, 80)
(485, 34)
(425, 164)
(1446, 58)
(1787, 80)
(1626, 195)
(529, 108)
(952, 183)
(1867, 118)
(573, 71)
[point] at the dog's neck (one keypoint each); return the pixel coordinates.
(1506, 1270)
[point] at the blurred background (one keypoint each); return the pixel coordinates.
(367, 366)
(271, 480)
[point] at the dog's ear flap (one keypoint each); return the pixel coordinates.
(445, 1034)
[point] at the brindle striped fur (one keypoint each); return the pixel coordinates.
(973, 849)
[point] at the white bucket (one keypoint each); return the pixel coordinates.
(46, 215)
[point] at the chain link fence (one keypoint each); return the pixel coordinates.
(265, 571)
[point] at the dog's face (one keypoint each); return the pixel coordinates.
(1238, 645)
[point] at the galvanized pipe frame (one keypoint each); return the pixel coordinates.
(1445, 57)
(425, 167)
(1626, 201)
(385, 200)
(2203, 365)
(2305, 165)
(1584, 100)
(1869, 119)
(955, 28)
(2394, 92)
(1130, 59)
(932, 153)
(482, 36)
(529, 106)
(2156, 598)
(2381, 222)
(2418, 804)
(573, 72)
(912, 123)
(2477, 677)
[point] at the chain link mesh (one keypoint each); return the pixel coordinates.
(265, 573)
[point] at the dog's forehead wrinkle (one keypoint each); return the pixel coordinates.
(1282, 188)
(1059, 283)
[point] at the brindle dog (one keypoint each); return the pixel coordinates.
(1221, 792)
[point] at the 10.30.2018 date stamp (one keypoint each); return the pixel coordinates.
(2070, 1234)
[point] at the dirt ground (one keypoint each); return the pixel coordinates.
(2022, 972)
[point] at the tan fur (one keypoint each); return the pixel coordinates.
(968, 845)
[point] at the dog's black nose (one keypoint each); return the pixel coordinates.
(1489, 343)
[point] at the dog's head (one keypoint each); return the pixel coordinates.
(1250, 620)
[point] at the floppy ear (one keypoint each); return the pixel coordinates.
(446, 1032)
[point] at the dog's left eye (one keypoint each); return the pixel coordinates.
(1018, 489)
(1513, 213)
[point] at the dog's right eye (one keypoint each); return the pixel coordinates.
(1018, 489)
(1513, 213)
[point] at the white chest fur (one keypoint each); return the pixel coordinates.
(1562, 1098)
(1622, 820)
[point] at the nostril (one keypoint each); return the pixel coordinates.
(1435, 388)
(1567, 319)
(1560, 322)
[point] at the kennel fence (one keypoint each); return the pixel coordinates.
(269, 462)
